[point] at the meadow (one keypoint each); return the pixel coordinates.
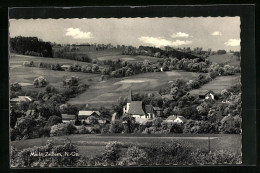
(106, 93)
(226, 59)
(100, 93)
(93, 144)
(218, 84)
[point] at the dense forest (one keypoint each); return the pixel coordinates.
(30, 46)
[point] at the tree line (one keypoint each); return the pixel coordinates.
(30, 46)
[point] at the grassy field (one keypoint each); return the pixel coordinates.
(225, 58)
(105, 93)
(100, 93)
(26, 75)
(113, 54)
(218, 84)
(92, 144)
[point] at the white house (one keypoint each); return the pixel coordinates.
(137, 110)
(65, 67)
(180, 119)
(209, 95)
(170, 119)
(20, 99)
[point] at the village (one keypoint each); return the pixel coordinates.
(141, 91)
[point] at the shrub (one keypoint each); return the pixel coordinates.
(216, 157)
(15, 87)
(53, 120)
(44, 131)
(82, 130)
(62, 129)
(157, 122)
(112, 153)
(176, 128)
(40, 82)
(116, 127)
(28, 156)
(28, 64)
(134, 156)
(175, 152)
(106, 129)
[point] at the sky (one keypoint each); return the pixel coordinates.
(206, 32)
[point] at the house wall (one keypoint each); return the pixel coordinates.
(139, 116)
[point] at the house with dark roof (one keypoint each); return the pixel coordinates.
(149, 111)
(66, 118)
(138, 110)
(158, 112)
(84, 115)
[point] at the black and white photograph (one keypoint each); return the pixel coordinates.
(101, 92)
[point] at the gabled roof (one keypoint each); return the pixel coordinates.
(21, 99)
(181, 118)
(157, 108)
(88, 113)
(65, 66)
(136, 108)
(30, 112)
(129, 99)
(172, 117)
(148, 108)
(68, 117)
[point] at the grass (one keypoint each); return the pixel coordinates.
(93, 144)
(218, 84)
(22, 74)
(106, 93)
(225, 58)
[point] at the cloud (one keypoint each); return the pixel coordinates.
(233, 42)
(76, 33)
(160, 42)
(180, 35)
(216, 33)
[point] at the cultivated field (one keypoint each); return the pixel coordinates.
(218, 84)
(105, 93)
(92, 144)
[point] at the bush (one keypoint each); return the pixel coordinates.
(216, 157)
(40, 82)
(112, 153)
(44, 131)
(15, 87)
(134, 156)
(82, 130)
(106, 129)
(116, 127)
(53, 120)
(175, 152)
(176, 128)
(28, 156)
(62, 129)
(157, 122)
